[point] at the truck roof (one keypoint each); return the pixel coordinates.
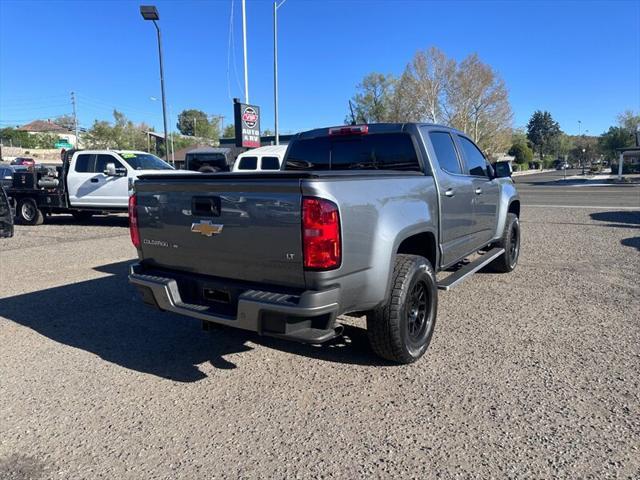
(374, 128)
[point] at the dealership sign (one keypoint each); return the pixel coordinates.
(247, 122)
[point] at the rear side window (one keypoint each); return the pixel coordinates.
(445, 152)
(385, 151)
(270, 163)
(84, 163)
(476, 162)
(248, 163)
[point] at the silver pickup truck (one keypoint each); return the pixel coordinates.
(359, 220)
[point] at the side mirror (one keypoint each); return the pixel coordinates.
(502, 169)
(110, 170)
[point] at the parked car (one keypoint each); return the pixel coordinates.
(263, 159)
(359, 220)
(6, 215)
(88, 182)
(25, 161)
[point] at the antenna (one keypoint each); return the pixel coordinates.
(353, 117)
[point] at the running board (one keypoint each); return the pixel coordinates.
(471, 268)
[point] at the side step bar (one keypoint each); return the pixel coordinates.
(469, 269)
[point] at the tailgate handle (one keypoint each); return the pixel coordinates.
(206, 206)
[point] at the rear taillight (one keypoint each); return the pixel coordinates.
(320, 234)
(133, 221)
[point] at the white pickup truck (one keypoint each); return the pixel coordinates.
(88, 182)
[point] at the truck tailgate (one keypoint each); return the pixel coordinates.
(241, 229)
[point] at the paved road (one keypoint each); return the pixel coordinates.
(550, 189)
(535, 374)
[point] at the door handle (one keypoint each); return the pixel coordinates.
(478, 191)
(94, 180)
(449, 192)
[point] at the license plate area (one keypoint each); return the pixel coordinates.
(209, 206)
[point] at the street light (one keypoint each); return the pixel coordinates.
(276, 6)
(150, 12)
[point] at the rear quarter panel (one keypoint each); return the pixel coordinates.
(375, 216)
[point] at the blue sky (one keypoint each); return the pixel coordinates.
(579, 60)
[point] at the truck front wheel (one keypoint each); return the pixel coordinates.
(28, 212)
(401, 329)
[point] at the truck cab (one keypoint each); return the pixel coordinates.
(101, 178)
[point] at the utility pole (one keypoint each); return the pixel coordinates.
(244, 48)
(75, 119)
(275, 68)
(195, 125)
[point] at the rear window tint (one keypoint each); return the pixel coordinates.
(270, 163)
(248, 163)
(385, 151)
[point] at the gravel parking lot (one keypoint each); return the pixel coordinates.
(533, 374)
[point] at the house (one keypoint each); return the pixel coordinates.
(47, 126)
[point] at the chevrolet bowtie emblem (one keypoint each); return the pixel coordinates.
(206, 228)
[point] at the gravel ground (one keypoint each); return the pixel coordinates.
(533, 374)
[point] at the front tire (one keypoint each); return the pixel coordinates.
(401, 329)
(28, 212)
(510, 241)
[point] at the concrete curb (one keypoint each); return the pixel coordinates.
(531, 172)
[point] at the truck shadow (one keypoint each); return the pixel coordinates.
(105, 317)
(95, 221)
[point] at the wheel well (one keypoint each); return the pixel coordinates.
(423, 244)
(514, 207)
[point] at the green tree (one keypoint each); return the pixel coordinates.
(121, 134)
(522, 152)
(17, 138)
(229, 131)
(614, 138)
(197, 123)
(372, 100)
(540, 131)
(561, 145)
(629, 121)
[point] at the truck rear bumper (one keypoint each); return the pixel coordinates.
(308, 317)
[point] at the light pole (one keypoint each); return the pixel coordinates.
(150, 12)
(276, 6)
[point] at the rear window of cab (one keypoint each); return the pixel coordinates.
(382, 151)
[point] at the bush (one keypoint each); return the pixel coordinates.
(522, 153)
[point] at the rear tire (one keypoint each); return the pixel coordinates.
(401, 329)
(28, 212)
(82, 216)
(510, 241)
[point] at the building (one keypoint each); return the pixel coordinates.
(49, 127)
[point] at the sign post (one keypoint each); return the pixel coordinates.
(247, 124)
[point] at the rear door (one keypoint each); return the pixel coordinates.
(456, 197)
(486, 191)
(242, 229)
(80, 179)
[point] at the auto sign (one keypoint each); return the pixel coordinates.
(247, 121)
